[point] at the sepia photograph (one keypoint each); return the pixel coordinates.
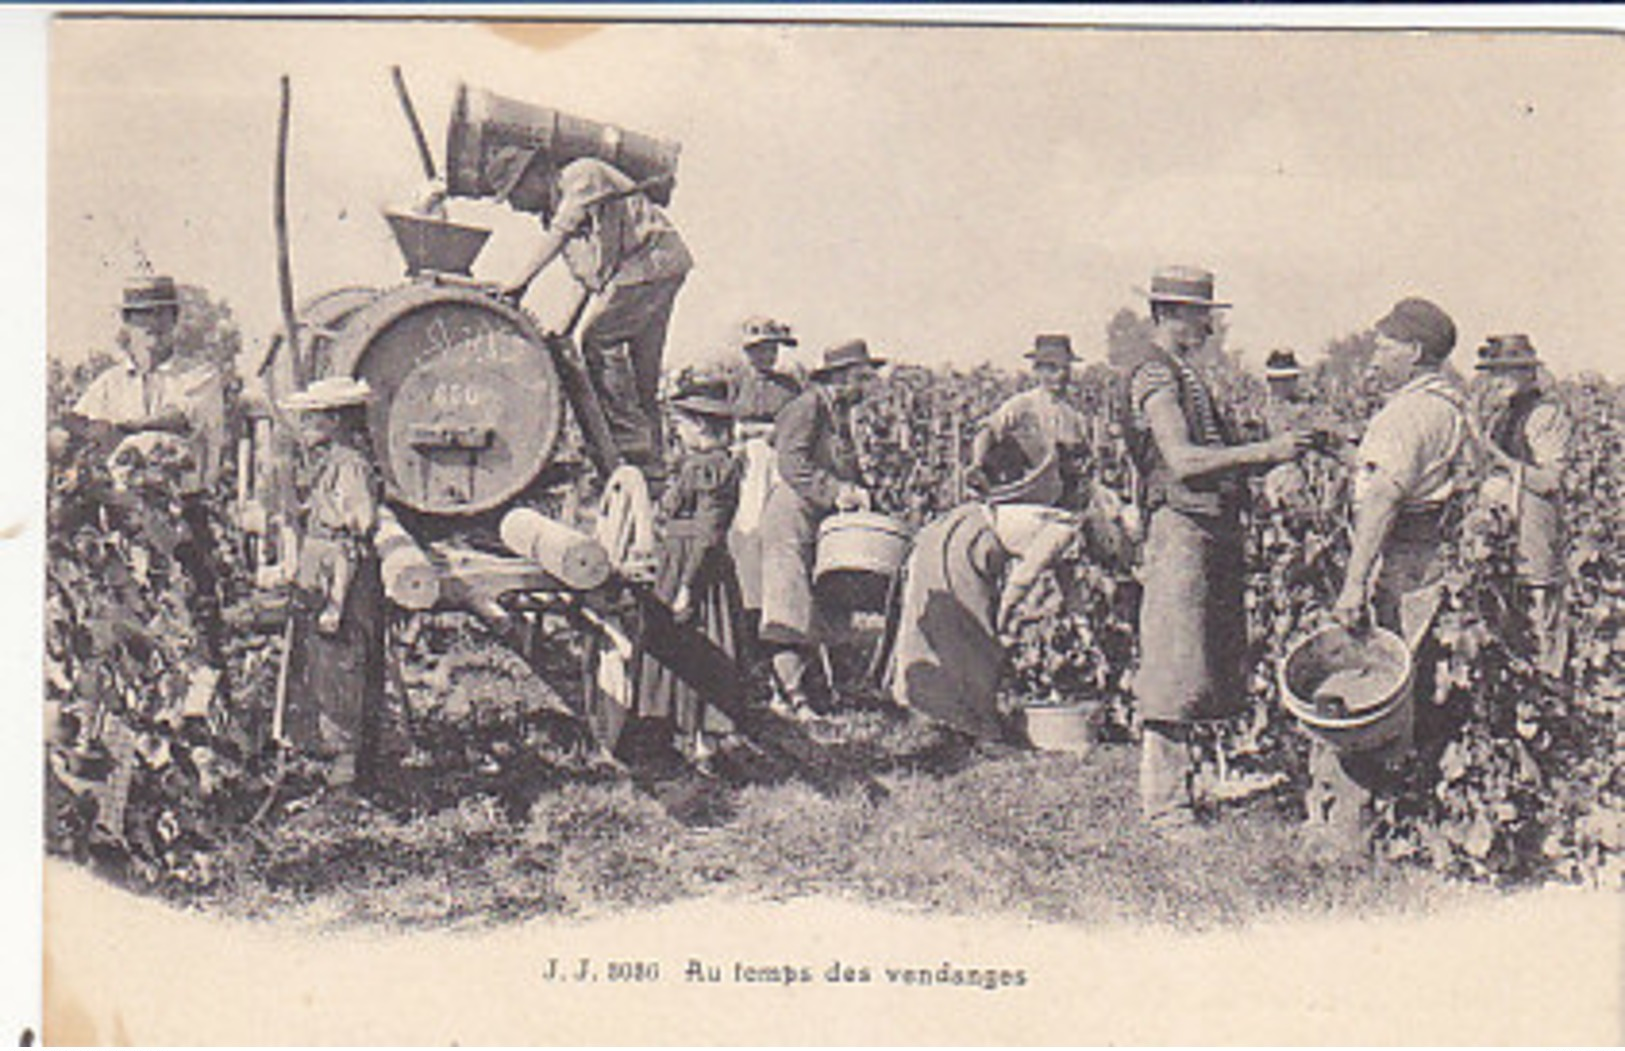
(784, 531)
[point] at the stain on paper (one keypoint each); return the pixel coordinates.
(544, 36)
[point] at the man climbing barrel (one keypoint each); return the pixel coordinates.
(620, 247)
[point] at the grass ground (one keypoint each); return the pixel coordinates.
(1045, 837)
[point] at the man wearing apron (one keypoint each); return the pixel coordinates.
(1417, 456)
(818, 475)
(1193, 629)
(757, 397)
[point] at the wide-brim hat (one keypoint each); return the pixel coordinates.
(506, 167)
(1512, 351)
(1052, 349)
(330, 392)
(1282, 365)
(1183, 284)
(758, 330)
(845, 356)
(702, 397)
(154, 292)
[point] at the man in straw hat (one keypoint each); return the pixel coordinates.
(757, 397)
(153, 391)
(818, 471)
(336, 645)
(622, 248)
(1418, 455)
(1035, 427)
(1192, 619)
(1530, 438)
(762, 390)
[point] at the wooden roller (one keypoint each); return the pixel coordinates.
(575, 559)
(411, 580)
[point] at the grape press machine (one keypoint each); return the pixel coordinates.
(467, 423)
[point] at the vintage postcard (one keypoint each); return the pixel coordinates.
(782, 531)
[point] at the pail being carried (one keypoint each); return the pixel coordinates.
(860, 553)
(1352, 691)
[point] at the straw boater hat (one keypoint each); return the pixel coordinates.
(702, 397)
(149, 292)
(330, 392)
(1182, 284)
(757, 330)
(1052, 349)
(1512, 351)
(1282, 365)
(845, 356)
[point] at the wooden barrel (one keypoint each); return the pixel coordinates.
(859, 554)
(467, 405)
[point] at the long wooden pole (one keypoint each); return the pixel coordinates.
(411, 111)
(284, 265)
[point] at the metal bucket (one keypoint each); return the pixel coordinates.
(859, 555)
(1351, 691)
(436, 245)
(483, 122)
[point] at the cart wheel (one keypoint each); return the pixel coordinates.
(626, 526)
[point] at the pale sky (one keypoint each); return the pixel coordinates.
(944, 192)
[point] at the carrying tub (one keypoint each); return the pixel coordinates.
(482, 122)
(860, 553)
(1352, 691)
(1061, 727)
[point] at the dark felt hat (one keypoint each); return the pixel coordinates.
(1282, 364)
(1511, 351)
(1052, 349)
(150, 292)
(845, 356)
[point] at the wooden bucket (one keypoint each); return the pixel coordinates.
(482, 122)
(1351, 691)
(860, 553)
(1061, 727)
